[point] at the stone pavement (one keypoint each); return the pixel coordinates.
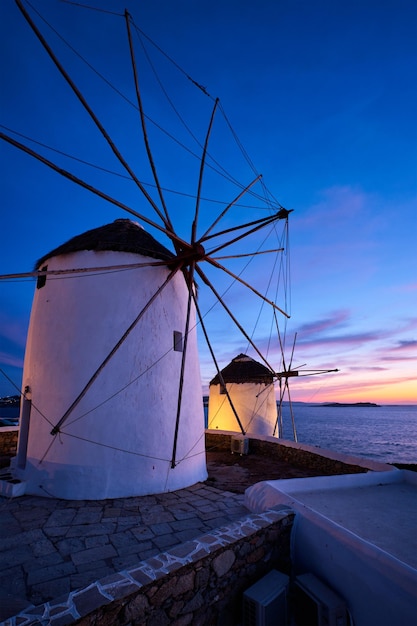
(50, 547)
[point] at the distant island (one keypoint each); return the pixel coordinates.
(344, 404)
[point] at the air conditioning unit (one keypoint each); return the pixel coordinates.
(315, 603)
(265, 603)
(239, 445)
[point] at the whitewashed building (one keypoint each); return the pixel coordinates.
(99, 419)
(250, 386)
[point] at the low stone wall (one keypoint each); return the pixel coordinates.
(198, 583)
(8, 441)
(299, 455)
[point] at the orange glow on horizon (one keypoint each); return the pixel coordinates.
(350, 391)
(395, 393)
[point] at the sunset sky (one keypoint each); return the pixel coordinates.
(323, 97)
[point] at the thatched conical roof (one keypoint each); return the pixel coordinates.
(122, 235)
(244, 369)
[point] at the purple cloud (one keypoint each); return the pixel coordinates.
(335, 320)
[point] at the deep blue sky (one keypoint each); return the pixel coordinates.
(322, 96)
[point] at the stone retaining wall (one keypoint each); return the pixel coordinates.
(198, 583)
(8, 441)
(298, 455)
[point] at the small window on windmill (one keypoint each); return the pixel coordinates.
(177, 341)
(41, 282)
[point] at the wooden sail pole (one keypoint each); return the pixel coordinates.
(85, 104)
(98, 192)
(232, 406)
(243, 282)
(229, 206)
(261, 221)
(200, 177)
(189, 281)
(239, 326)
(165, 219)
(259, 226)
(246, 254)
(82, 270)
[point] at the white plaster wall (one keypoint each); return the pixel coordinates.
(377, 588)
(118, 441)
(255, 405)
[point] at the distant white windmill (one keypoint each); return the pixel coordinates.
(242, 396)
(112, 397)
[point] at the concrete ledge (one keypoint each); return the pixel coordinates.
(10, 487)
(268, 494)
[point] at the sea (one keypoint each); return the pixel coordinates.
(386, 433)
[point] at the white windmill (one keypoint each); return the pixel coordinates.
(242, 396)
(112, 396)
